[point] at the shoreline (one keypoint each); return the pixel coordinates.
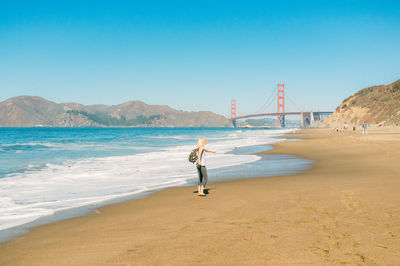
(79, 211)
(342, 210)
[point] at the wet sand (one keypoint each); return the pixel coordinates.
(345, 210)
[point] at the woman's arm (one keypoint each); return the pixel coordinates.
(210, 151)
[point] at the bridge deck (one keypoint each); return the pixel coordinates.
(276, 114)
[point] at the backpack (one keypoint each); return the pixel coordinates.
(193, 155)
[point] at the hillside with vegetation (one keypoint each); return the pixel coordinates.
(378, 105)
(33, 111)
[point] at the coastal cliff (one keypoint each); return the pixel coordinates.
(34, 111)
(377, 105)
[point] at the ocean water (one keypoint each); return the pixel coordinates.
(48, 170)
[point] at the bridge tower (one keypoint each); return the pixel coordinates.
(281, 104)
(233, 113)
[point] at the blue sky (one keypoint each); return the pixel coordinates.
(198, 55)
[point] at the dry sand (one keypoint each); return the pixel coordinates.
(345, 210)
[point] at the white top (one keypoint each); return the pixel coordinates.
(203, 158)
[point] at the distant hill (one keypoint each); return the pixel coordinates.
(376, 104)
(31, 111)
(270, 122)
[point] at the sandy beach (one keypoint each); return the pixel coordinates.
(345, 210)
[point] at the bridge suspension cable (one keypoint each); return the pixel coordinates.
(299, 107)
(267, 103)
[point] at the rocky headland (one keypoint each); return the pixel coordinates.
(377, 105)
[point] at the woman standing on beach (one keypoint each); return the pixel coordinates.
(201, 166)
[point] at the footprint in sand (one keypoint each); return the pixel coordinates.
(349, 203)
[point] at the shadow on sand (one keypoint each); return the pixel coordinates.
(206, 190)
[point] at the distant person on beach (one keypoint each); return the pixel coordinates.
(364, 128)
(201, 166)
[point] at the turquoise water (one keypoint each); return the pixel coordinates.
(25, 149)
(48, 170)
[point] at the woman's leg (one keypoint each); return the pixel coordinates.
(205, 176)
(200, 181)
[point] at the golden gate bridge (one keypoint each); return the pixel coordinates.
(307, 117)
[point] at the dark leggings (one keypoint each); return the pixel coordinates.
(203, 177)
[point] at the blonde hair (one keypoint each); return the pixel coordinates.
(201, 142)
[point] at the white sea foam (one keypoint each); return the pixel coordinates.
(47, 144)
(18, 147)
(170, 137)
(24, 197)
